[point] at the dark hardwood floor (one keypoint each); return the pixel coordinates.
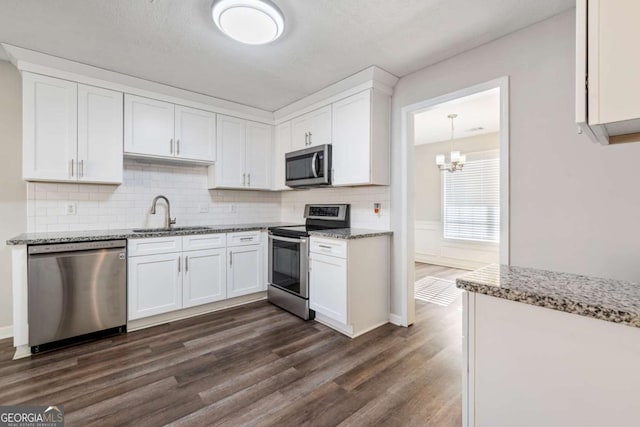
(251, 365)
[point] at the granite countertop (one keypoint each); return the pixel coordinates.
(349, 233)
(93, 235)
(611, 300)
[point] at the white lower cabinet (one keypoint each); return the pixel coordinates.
(171, 273)
(329, 291)
(205, 277)
(154, 284)
(246, 263)
(349, 283)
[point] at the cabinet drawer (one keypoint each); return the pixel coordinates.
(204, 241)
(154, 245)
(331, 247)
(243, 238)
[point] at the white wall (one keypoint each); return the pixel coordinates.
(13, 211)
(128, 205)
(360, 198)
(574, 205)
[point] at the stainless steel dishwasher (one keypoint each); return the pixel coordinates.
(76, 291)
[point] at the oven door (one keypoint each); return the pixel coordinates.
(308, 167)
(289, 264)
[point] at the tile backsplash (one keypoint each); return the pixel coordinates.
(128, 205)
(360, 198)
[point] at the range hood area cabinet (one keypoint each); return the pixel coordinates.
(71, 132)
(158, 129)
(311, 129)
(358, 131)
(244, 155)
(608, 70)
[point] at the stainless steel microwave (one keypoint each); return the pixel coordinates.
(310, 167)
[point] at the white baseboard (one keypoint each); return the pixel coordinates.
(6, 332)
(396, 319)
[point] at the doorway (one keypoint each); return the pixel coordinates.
(455, 201)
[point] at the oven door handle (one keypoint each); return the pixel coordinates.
(286, 239)
(313, 165)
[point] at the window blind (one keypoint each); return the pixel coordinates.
(471, 199)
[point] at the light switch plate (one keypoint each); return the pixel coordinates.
(204, 208)
(71, 209)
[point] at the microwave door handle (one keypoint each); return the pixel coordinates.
(313, 165)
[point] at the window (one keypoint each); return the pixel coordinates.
(471, 199)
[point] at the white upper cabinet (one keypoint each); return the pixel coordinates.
(148, 126)
(50, 113)
(361, 140)
(164, 130)
(229, 171)
(258, 156)
(310, 129)
(195, 133)
(607, 35)
(281, 147)
(99, 135)
(72, 132)
(244, 155)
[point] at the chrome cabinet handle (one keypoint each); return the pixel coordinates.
(179, 264)
(244, 179)
(249, 180)
(186, 263)
(178, 147)
(71, 167)
(310, 138)
(325, 247)
(230, 259)
(81, 168)
(306, 139)
(171, 146)
(244, 239)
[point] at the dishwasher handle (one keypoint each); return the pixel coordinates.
(77, 246)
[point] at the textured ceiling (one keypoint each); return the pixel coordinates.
(480, 110)
(176, 43)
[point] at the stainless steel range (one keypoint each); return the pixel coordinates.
(289, 257)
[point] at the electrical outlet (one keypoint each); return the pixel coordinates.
(232, 208)
(71, 209)
(204, 208)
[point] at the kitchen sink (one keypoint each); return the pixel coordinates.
(166, 230)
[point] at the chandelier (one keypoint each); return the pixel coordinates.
(456, 160)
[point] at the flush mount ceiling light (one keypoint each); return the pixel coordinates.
(248, 21)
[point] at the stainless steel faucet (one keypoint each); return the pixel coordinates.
(168, 221)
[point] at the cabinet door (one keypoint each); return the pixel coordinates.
(50, 128)
(320, 132)
(244, 274)
(100, 125)
(352, 140)
(282, 147)
(300, 127)
(614, 86)
(154, 284)
(328, 286)
(259, 155)
(195, 134)
(230, 167)
(205, 277)
(148, 126)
